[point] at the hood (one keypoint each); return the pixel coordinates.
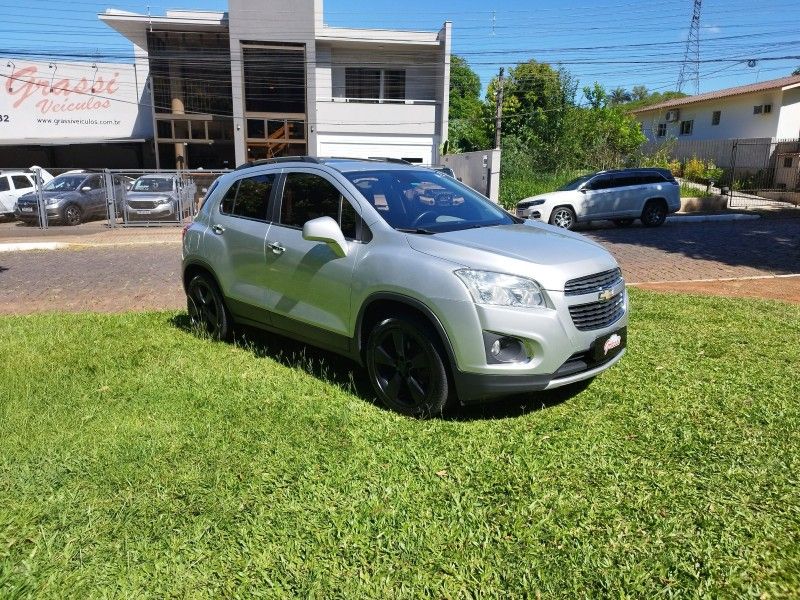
(547, 254)
(33, 196)
(558, 197)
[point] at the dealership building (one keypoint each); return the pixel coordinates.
(214, 90)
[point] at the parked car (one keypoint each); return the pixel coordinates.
(441, 294)
(155, 197)
(621, 196)
(14, 184)
(71, 199)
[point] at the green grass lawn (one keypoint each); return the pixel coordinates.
(137, 460)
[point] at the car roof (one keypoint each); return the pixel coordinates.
(341, 164)
(634, 170)
(156, 176)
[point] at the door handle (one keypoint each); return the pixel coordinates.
(218, 229)
(276, 248)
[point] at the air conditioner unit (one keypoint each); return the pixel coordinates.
(673, 115)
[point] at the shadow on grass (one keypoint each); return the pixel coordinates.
(343, 372)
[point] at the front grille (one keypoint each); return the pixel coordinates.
(597, 315)
(149, 204)
(592, 283)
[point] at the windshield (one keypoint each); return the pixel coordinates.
(426, 201)
(575, 183)
(64, 183)
(152, 184)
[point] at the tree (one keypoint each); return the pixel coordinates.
(796, 71)
(653, 98)
(639, 92)
(619, 96)
(467, 129)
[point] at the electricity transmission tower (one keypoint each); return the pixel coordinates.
(690, 69)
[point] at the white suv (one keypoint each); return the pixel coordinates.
(621, 196)
(14, 184)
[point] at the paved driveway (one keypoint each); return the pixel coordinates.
(147, 277)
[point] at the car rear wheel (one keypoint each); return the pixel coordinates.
(207, 310)
(72, 215)
(406, 367)
(654, 213)
(563, 217)
(623, 222)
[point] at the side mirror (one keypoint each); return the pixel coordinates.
(583, 190)
(86, 188)
(325, 229)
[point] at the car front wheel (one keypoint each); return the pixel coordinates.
(563, 217)
(407, 367)
(72, 215)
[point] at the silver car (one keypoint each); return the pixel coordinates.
(439, 293)
(157, 197)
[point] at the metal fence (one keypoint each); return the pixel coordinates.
(121, 198)
(757, 172)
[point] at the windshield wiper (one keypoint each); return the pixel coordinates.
(415, 230)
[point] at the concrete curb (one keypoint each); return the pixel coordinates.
(26, 246)
(706, 218)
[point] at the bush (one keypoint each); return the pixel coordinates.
(698, 171)
(675, 167)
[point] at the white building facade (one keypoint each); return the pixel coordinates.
(271, 79)
(770, 109)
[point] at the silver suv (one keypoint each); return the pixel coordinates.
(432, 287)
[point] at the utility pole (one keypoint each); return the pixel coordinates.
(690, 69)
(498, 115)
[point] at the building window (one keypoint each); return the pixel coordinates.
(375, 85)
(274, 79)
(715, 116)
(757, 109)
(686, 127)
(787, 162)
(662, 130)
(767, 109)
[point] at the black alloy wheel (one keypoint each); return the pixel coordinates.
(654, 213)
(207, 310)
(407, 368)
(72, 215)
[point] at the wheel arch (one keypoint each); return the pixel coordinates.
(384, 304)
(196, 267)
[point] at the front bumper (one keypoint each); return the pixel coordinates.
(555, 345)
(159, 212)
(475, 388)
(53, 212)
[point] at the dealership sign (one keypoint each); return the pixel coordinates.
(47, 101)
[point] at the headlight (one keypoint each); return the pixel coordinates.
(164, 200)
(532, 203)
(499, 289)
(51, 201)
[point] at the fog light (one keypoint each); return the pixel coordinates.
(504, 349)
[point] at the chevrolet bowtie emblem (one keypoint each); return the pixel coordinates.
(605, 295)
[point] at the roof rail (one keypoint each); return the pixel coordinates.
(277, 160)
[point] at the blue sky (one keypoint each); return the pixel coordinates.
(615, 42)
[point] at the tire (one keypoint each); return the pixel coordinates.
(206, 307)
(623, 222)
(654, 213)
(72, 215)
(406, 367)
(563, 217)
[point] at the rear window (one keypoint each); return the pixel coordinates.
(248, 198)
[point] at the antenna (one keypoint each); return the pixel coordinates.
(690, 69)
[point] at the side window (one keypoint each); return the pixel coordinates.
(248, 197)
(307, 196)
(4, 186)
(21, 182)
(93, 182)
(601, 183)
(648, 178)
(627, 180)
